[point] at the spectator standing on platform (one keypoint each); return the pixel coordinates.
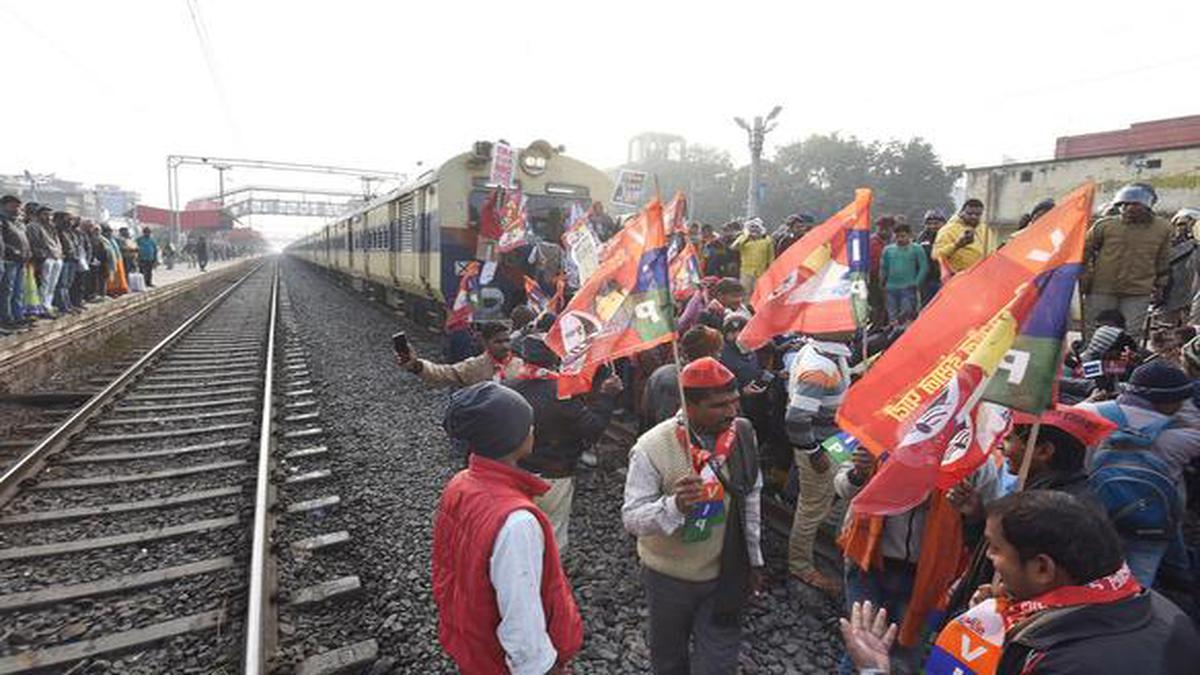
(1128, 260)
(934, 220)
(129, 251)
(504, 602)
(879, 240)
(47, 257)
(496, 363)
(563, 429)
(965, 240)
(902, 270)
(147, 256)
(697, 532)
(755, 251)
(202, 252)
(14, 254)
(69, 265)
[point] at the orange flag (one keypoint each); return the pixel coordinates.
(819, 284)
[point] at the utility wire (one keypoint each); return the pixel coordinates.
(210, 63)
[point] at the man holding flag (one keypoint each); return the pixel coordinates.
(933, 407)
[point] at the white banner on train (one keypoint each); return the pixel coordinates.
(504, 166)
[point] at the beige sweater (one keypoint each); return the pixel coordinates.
(656, 462)
(473, 370)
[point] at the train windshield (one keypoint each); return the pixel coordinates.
(546, 213)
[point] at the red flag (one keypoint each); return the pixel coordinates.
(514, 233)
(819, 283)
(463, 309)
(675, 214)
(941, 366)
(624, 308)
(685, 269)
(534, 296)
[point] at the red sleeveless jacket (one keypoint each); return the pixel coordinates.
(474, 506)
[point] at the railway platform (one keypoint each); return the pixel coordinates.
(37, 352)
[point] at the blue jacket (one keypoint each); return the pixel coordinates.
(147, 249)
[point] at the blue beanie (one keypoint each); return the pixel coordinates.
(1160, 382)
(490, 418)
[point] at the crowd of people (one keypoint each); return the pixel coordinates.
(1087, 560)
(54, 263)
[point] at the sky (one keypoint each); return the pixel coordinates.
(121, 84)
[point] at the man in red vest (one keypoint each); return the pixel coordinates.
(504, 604)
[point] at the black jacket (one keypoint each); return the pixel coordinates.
(1141, 635)
(16, 241)
(562, 430)
(1074, 483)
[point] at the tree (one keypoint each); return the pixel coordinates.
(824, 170)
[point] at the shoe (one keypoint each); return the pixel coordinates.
(819, 581)
(589, 459)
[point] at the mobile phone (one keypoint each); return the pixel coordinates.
(400, 345)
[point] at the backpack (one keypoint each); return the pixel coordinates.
(1132, 482)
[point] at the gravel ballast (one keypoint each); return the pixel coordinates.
(390, 460)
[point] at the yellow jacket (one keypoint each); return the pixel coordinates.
(960, 259)
(755, 254)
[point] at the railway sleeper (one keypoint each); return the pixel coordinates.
(62, 655)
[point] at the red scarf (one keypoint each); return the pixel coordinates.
(528, 371)
(499, 367)
(700, 456)
(1117, 586)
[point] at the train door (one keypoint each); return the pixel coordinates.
(392, 243)
(424, 233)
(407, 248)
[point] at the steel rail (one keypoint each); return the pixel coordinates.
(34, 459)
(259, 622)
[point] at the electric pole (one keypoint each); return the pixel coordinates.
(755, 135)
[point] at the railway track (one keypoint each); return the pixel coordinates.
(135, 536)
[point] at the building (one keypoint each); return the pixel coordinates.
(1163, 153)
(99, 202)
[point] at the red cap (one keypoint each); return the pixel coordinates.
(1084, 425)
(705, 373)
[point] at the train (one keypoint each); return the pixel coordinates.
(408, 247)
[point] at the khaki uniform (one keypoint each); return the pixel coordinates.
(1123, 262)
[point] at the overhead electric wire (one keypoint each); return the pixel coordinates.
(210, 63)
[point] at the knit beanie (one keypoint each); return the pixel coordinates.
(490, 418)
(1160, 382)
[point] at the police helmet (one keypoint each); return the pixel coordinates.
(1139, 193)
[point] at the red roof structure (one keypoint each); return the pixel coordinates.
(200, 219)
(1177, 132)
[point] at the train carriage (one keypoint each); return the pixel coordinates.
(409, 245)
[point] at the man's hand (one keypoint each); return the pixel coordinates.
(966, 499)
(984, 592)
(965, 239)
(868, 636)
(688, 493)
(753, 389)
(410, 362)
(612, 386)
(864, 465)
(819, 460)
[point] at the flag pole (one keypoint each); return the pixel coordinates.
(1028, 456)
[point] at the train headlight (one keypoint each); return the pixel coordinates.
(535, 158)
